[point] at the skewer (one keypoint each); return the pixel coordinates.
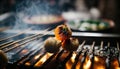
(39, 48)
(61, 65)
(118, 53)
(59, 54)
(6, 43)
(83, 59)
(31, 56)
(101, 45)
(101, 49)
(33, 49)
(29, 37)
(77, 56)
(92, 55)
(14, 35)
(37, 60)
(47, 61)
(25, 42)
(108, 59)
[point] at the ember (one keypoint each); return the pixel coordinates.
(29, 52)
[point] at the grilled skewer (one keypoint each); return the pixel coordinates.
(118, 57)
(108, 59)
(83, 58)
(77, 57)
(91, 56)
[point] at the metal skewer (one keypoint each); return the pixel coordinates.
(118, 57)
(14, 35)
(77, 57)
(25, 42)
(108, 59)
(92, 55)
(26, 38)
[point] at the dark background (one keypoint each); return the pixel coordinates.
(110, 9)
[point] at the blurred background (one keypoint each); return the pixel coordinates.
(72, 11)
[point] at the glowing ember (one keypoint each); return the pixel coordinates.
(68, 65)
(87, 63)
(43, 59)
(24, 51)
(27, 63)
(73, 57)
(37, 56)
(115, 64)
(96, 59)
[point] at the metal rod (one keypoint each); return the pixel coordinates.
(83, 59)
(35, 51)
(47, 61)
(26, 38)
(101, 45)
(24, 43)
(61, 65)
(92, 55)
(6, 43)
(77, 56)
(50, 58)
(108, 59)
(39, 48)
(59, 54)
(31, 56)
(31, 45)
(118, 57)
(15, 35)
(83, 34)
(34, 62)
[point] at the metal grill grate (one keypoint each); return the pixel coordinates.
(26, 51)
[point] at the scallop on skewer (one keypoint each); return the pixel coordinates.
(70, 44)
(62, 32)
(52, 45)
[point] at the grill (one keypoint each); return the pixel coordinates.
(25, 50)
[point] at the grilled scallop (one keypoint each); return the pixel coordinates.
(70, 44)
(52, 45)
(3, 60)
(62, 32)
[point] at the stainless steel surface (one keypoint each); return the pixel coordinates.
(85, 34)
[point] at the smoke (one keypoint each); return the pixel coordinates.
(29, 8)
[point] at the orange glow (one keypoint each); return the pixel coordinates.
(115, 64)
(37, 56)
(68, 65)
(73, 57)
(87, 64)
(99, 62)
(96, 59)
(27, 63)
(71, 61)
(43, 59)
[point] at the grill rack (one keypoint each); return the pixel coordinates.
(33, 44)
